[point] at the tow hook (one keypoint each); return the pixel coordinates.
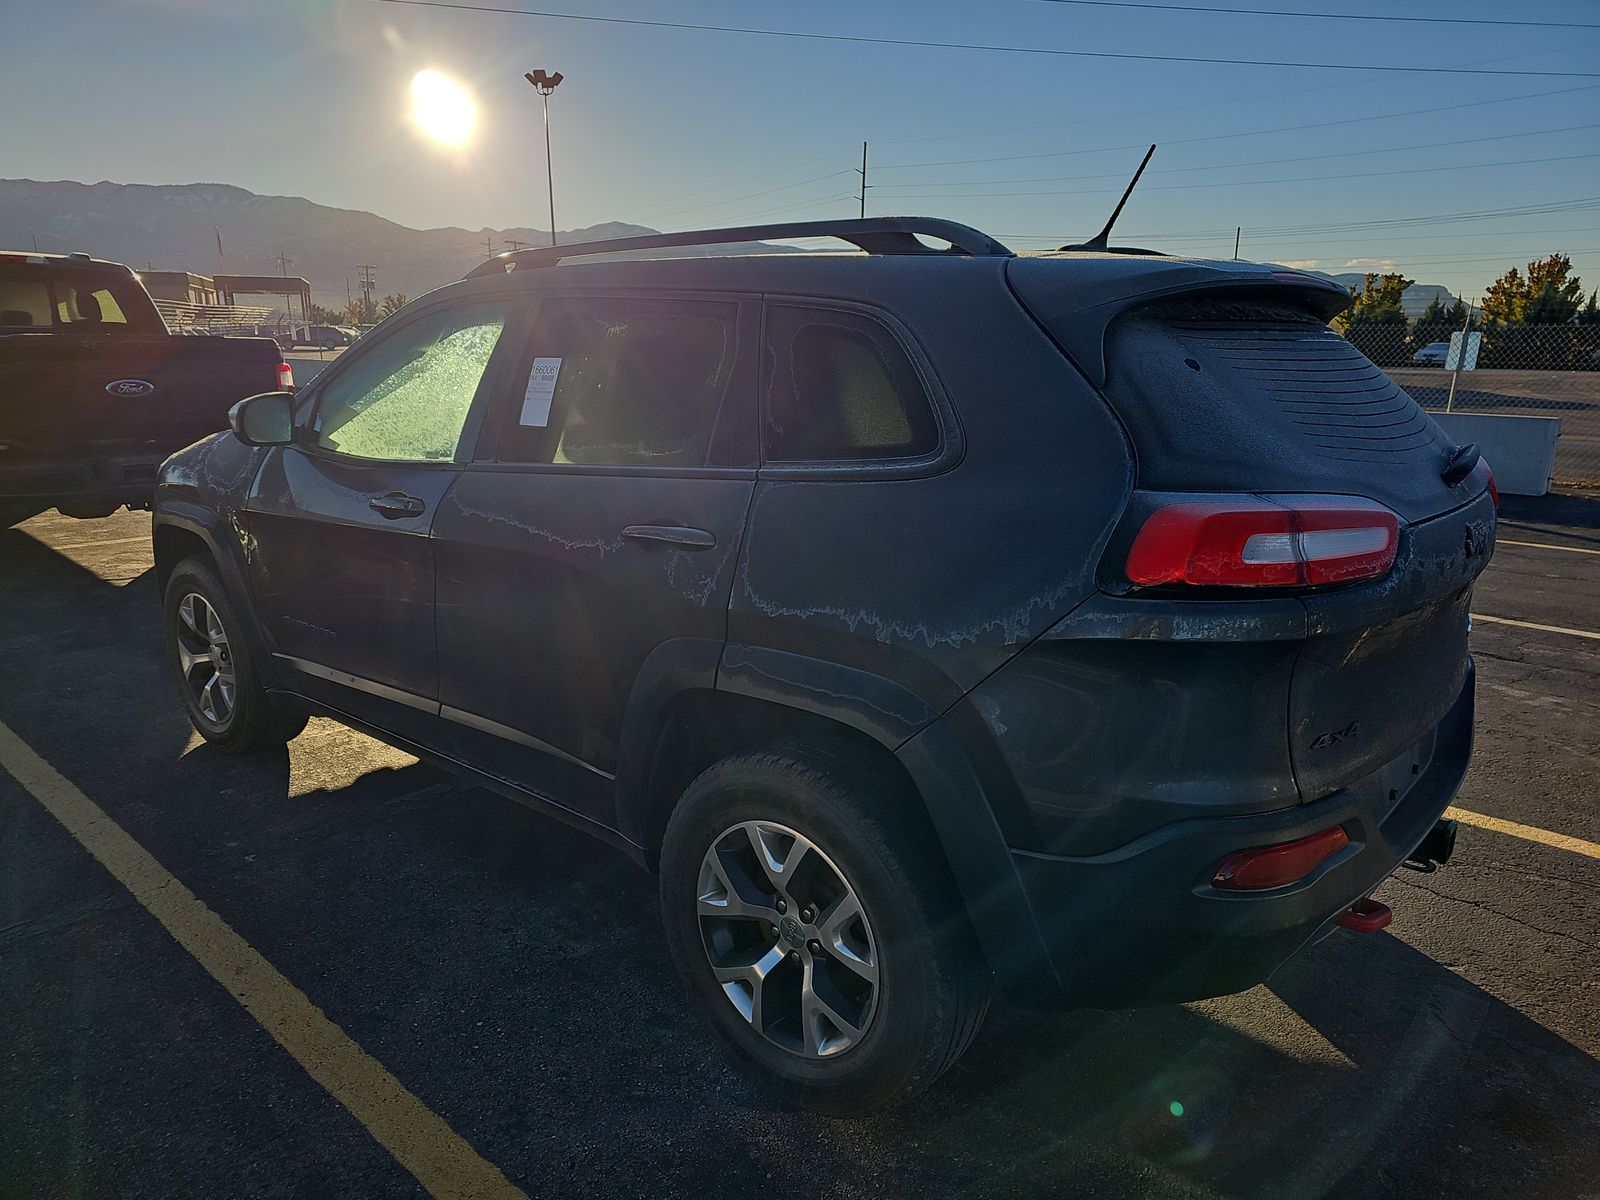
(1435, 849)
(1366, 916)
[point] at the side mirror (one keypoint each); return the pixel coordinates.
(264, 420)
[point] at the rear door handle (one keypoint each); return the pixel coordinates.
(677, 535)
(395, 505)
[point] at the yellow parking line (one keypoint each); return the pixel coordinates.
(419, 1139)
(1583, 633)
(1530, 833)
(1500, 541)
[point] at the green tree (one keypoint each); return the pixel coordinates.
(1375, 323)
(1549, 294)
(1437, 322)
(1591, 311)
(326, 316)
(392, 304)
(1379, 301)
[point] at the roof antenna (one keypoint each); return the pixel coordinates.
(1100, 240)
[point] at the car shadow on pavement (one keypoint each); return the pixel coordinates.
(1365, 1069)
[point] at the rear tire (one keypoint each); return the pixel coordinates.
(215, 661)
(867, 1021)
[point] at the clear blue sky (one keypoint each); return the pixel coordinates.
(676, 128)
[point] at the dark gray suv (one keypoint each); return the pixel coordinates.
(1093, 623)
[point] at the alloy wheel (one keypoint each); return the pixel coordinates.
(787, 939)
(205, 659)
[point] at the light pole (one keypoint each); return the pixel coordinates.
(544, 85)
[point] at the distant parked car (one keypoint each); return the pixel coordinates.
(323, 337)
(1433, 354)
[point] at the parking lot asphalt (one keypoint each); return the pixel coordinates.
(510, 973)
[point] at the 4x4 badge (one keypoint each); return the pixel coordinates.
(1336, 736)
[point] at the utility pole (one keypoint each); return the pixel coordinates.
(863, 173)
(488, 246)
(1237, 232)
(515, 244)
(367, 282)
(284, 263)
(544, 85)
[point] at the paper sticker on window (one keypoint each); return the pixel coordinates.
(541, 389)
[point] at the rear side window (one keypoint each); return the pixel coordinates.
(622, 381)
(840, 387)
(24, 303)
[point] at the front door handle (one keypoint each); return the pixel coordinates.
(395, 505)
(677, 535)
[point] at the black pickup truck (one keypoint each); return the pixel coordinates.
(94, 390)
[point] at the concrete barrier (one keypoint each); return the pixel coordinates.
(1522, 450)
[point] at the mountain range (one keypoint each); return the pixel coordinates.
(177, 226)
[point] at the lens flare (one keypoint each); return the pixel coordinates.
(442, 108)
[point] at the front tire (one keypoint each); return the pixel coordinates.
(814, 921)
(214, 659)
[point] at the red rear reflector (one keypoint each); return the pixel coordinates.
(1483, 471)
(1274, 866)
(1287, 542)
(285, 377)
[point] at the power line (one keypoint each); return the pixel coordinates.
(733, 183)
(861, 39)
(1067, 153)
(750, 196)
(1184, 187)
(1321, 16)
(1576, 204)
(1222, 137)
(1259, 162)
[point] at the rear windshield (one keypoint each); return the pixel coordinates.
(39, 299)
(1238, 395)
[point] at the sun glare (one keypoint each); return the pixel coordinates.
(442, 108)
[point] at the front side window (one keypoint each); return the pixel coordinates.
(623, 382)
(406, 398)
(840, 388)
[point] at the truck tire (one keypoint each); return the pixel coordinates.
(215, 660)
(813, 919)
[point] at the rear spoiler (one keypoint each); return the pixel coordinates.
(1077, 297)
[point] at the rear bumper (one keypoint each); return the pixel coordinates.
(109, 480)
(1142, 923)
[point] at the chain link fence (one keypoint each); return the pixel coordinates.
(1524, 370)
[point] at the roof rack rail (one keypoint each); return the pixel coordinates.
(875, 235)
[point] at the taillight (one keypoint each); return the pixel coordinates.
(1483, 472)
(285, 377)
(1250, 542)
(1275, 866)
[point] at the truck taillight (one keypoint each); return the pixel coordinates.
(285, 377)
(1287, 541)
